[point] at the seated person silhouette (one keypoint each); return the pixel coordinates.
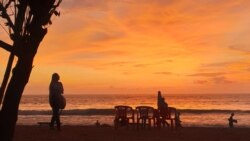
(231, 121)
(163, 108)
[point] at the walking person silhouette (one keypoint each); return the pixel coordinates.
(55, 93)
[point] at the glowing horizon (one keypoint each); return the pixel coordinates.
(126, 46)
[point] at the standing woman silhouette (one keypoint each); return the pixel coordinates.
(55, 92)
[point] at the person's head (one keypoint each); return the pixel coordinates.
(159, 93)
(55, 77)
(232, 114)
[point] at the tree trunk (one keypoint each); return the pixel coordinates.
(12, 98)
(29, 31)
(18, 81)
(6, 77)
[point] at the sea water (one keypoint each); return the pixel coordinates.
(203, 110)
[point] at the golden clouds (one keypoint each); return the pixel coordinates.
(142, 46)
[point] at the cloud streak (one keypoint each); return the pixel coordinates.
(208, 74)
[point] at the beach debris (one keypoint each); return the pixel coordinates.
(98, 124)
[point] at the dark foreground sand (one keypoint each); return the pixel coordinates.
(91, 133)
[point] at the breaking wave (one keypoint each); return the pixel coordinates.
(89, 112)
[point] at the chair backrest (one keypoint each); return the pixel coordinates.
(167, 112)
(172, 112)
(123, 111)
(145, 112)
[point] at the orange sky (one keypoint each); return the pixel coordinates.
(142, 46)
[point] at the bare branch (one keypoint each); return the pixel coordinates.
(20, 19)
(58, 3)
(7, 5)
(6, 46)
(6, 16)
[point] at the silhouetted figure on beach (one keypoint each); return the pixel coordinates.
(163, 108)
(97, 123)
(231, 121)
(55, 92)
(177, 120)
(161, 103)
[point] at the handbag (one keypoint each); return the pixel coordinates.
(61, 102)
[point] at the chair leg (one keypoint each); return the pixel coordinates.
(138, 123)
(127, 123)
(172, 124)
(154, 122)
(149, 123)
(144, 122)
(158, 122)
(116, 123)
(133, 122)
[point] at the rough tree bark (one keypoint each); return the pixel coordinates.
(28, 31)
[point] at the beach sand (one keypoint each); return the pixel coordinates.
(92, 133)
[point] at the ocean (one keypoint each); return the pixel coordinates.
(197, 110)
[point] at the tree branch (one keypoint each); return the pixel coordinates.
(7, 17)
(6, 46)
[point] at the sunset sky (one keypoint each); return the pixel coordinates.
(142, 46)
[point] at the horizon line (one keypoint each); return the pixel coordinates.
(141, 93)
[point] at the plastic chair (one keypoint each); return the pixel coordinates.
(123, 116)
(145, 116)
(165, 114)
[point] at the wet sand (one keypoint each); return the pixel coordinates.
(92, 133)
